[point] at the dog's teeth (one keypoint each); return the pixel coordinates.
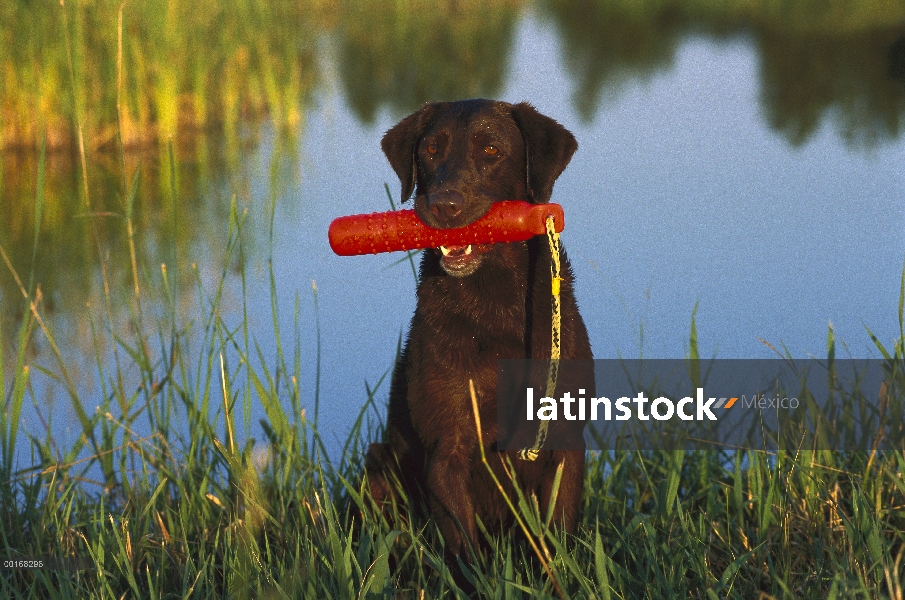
(468, 249)
(444, 250)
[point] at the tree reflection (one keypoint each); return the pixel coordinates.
(897, 59)
(806, 79)
(818, 60)
(402, 54)
(608, 44)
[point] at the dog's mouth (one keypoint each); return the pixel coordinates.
(460, 261)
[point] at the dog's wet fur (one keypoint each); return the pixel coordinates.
(478, 304)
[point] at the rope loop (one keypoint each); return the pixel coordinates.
(531, 454)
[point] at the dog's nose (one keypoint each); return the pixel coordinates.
(446, 205)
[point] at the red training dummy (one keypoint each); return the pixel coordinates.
(510, 221)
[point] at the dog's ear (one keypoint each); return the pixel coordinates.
(400, 144)
(548, 148)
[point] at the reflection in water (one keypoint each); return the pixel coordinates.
(405, 54)
(607, 44)
(184, 65)
(897, 59)
(806, 79)
(169, 219)
(817, 61)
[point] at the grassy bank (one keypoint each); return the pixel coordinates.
(159, 68)
(165, 498)
(163, 69)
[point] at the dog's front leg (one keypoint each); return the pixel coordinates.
(452, 505)
(381, 474)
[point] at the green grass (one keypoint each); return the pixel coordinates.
(151, 70)
(187, 508)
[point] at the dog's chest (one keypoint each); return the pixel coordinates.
(475, 315)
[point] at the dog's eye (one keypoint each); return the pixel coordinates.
(432, 148)
(491, 150)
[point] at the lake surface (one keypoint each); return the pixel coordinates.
(755, 172)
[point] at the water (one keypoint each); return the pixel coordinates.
(710, 173)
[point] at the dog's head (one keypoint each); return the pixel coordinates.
(461, 157)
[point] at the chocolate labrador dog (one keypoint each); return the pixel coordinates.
(477, 304)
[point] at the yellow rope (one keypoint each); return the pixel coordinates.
(552, 237)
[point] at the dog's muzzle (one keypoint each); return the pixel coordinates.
(460, 261)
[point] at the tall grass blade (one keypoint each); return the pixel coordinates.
(9, 419)
(600, 569)
(317, 367)
(408, 255)
(39, 209)
(694, 357)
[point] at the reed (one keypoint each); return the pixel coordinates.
(185, 66)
